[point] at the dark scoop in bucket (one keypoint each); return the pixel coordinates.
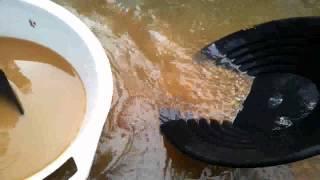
(7, 92)
(280, 121)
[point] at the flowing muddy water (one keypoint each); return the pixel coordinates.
(151, 45)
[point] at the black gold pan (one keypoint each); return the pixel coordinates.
(280, 121)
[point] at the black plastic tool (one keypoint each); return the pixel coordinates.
(7, 91)
(280, 121)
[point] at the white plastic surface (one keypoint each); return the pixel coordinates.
(64, 33)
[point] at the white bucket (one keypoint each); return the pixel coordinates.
(48, 24)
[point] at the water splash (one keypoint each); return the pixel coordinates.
(282, 123)
(275, 100)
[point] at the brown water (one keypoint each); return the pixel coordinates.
(151, 44)
(53, 99)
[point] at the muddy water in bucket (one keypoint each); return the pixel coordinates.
(151, 46)
(53, 100)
